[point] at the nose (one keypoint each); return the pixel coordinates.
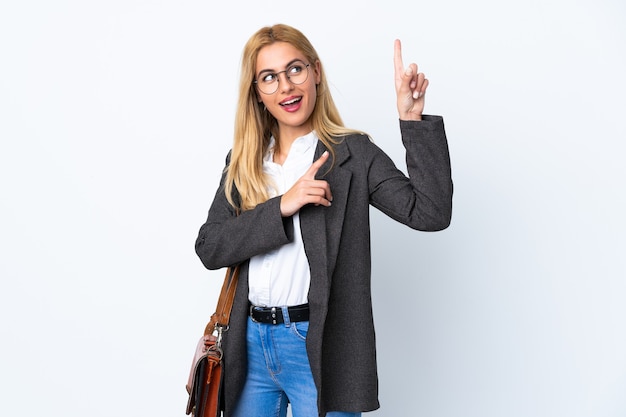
(284, 84)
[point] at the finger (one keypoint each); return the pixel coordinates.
(409, 81)
(321, 188)
(397, 58)
(414, 80)
(319, 201)
(315, 166)
(418, 85)
(422, 85)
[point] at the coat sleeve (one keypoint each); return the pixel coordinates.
(227, 239)
(422, 201)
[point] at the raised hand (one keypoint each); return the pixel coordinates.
(410, 87)
(307, 190)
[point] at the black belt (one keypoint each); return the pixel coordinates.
(274, 315)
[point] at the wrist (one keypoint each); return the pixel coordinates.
(411, 117)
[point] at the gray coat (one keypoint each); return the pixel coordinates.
(340, 343)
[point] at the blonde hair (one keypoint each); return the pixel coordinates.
(254, 126)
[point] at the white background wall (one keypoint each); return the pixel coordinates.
(115, 117)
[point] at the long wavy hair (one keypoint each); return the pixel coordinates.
(254, 126)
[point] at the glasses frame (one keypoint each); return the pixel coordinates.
(306, 67)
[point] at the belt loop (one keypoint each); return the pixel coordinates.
(286, 318)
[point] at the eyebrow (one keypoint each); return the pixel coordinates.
(290, 63)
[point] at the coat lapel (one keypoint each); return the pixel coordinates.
(321, 232)
(322, 226)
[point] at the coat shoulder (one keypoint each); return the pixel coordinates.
(357, 145)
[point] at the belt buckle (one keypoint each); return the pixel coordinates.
(252, 315)
(272, 315)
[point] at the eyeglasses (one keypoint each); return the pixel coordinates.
(297, 73)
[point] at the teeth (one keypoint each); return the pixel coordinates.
(295, 100)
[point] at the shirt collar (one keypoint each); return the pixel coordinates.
(299, 147)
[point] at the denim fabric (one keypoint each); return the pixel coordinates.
(279, 373)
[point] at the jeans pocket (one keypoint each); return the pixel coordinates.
(300, 329)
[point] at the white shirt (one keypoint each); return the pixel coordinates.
(282, 277)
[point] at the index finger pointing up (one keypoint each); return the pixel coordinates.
(316, 165)
(397, 57)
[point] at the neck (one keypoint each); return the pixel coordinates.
(283, 145)
(281, 150)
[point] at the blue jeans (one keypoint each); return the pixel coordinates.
(279, 373)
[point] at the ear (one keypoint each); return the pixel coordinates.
(317, 70)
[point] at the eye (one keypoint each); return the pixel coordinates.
(295, 69)
(269, 78)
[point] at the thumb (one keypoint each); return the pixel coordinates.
(408, 78)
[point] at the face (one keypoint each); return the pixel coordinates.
(291, 104)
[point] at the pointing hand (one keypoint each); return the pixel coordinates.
(307, 190)
(410, 87)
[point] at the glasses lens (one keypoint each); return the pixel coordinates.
(296, 74)
(268, 84)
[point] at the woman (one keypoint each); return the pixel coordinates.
(293, 209)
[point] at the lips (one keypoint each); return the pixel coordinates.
(291, 104)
